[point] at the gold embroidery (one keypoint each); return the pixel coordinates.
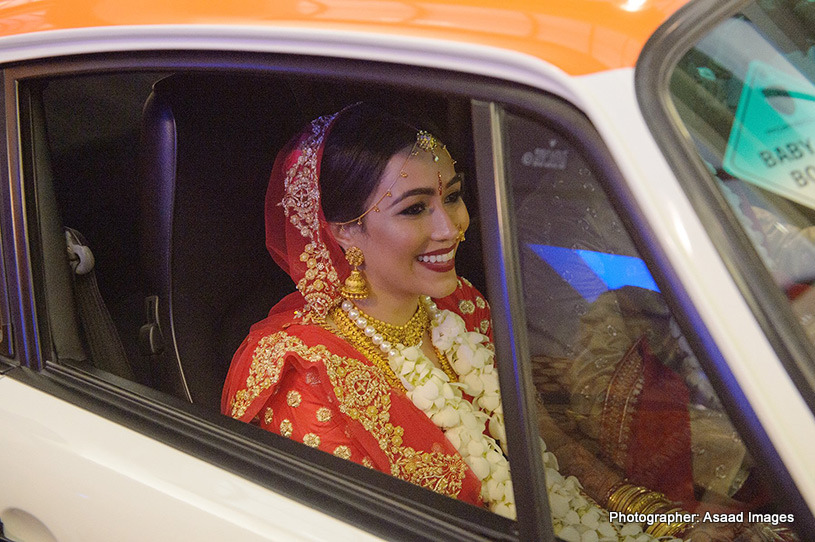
(480, 303)
(267, 364)
(268, 416)
(485, 326)
(310, 439)
(363, 395)
(620, 404)
(301, 204)
(466, 306)
(367, 462)
(323, 414)
(467, 282)
(349, 331)
(318, 276)
(286, 428)
(343, 452)
(293, 398)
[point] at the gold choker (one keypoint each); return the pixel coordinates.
(377, 340)
(408, 334)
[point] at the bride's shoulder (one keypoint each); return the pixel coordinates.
(467, 301)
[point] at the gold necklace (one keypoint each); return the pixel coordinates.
(349, 331)
(408, 334)
(378, 340)
(445, 365)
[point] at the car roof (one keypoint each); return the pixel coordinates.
(578, 36)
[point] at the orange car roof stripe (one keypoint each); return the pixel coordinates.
(579, 36)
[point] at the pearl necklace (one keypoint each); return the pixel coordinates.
(409, 334)
(381, 345)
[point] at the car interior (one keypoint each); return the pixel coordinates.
(161, 178)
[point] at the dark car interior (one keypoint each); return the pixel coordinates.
(161, 177)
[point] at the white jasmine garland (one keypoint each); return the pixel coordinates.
(463, 423)
(576, 518)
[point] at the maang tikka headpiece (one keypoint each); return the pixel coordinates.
(424, 141)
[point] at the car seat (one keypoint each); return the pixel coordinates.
(208, 144)
(209, 140)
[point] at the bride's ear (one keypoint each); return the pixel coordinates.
(342, 233)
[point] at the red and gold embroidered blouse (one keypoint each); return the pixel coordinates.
(304, 382)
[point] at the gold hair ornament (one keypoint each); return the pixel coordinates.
(424, 141)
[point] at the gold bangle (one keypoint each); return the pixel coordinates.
(633, 497)
(647, 501)
(623, 497)
(675, 529)
(640, 500)
(667, 529)
(615, 495)
(629, 498)
(612, 495)
(660, 506)
(659, 530)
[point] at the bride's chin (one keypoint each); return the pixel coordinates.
(444, 287)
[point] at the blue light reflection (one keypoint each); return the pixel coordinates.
(592, 273)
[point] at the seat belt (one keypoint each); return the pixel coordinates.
(107, 351)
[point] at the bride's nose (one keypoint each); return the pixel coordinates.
(444, 225)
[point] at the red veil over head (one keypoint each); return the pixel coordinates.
(297, 233)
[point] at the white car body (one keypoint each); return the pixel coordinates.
(68, 474)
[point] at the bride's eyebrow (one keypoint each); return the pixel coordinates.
(426, 191)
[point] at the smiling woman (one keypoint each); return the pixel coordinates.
(364, 367)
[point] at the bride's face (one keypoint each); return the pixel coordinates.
(410, 243)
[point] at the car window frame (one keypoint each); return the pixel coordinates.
(11, 295)
(374, 501)
(657, 61)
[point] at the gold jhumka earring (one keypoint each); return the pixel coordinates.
(355, 286)
(460, 238)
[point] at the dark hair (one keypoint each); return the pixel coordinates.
(359, 145)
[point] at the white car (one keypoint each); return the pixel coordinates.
(634, 169)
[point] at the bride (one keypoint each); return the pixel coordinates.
(384, 355)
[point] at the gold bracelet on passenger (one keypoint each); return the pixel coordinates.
(647, 503)
(632, 499)
(631, 496)
(625, 496)
(615, 494)
(667, 529)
